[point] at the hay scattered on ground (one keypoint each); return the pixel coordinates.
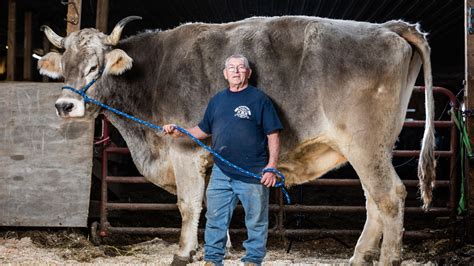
(73, 247)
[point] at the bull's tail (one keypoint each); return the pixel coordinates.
(427, 161)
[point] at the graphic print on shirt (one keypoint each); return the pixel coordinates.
(243, 112)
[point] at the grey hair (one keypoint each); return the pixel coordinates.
(237, 56)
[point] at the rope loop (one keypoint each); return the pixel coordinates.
(279, 184)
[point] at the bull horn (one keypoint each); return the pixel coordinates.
(55, 39)
(114, 37)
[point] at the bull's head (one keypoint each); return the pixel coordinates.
(88, 54)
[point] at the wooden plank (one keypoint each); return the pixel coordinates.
(469, 101)
(45, 161)
(11, 40)
(46, 49)
(27, 47)
(102, 15)
(74, 16)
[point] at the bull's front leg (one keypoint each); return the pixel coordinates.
(190, 192)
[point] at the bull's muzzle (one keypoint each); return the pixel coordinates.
(64, 108)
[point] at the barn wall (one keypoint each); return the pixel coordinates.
(45, 161)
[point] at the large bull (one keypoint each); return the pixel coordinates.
(342, 89)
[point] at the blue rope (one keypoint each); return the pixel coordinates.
(280, 184)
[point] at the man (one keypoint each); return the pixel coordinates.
(245, 130)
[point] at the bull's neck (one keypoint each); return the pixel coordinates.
(158, 90)
(139, 140)
(137, 102)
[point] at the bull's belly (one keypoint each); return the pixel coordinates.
(308, 161)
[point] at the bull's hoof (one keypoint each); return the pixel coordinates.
(360, 263)
(181, 261)
(396, 262)
(367, 259)
(371, 256)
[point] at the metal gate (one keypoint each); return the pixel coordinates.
(103, 229)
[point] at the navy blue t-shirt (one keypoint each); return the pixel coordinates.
(239, 123)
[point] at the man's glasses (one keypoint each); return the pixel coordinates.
(240, 68)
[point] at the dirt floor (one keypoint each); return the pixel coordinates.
(72, 246)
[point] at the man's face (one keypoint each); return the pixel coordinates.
(236, 73)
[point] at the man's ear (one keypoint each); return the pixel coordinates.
(225, 74)
(50, 65)
(117, 62)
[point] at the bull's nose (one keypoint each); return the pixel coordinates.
(64, 107)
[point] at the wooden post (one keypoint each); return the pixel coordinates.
(74, 16)
(11, 40)
(46, 48)
(27, 47)
(469, 102)
(102, 16)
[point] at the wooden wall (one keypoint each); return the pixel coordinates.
(45, 161)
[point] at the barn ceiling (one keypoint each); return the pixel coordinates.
(442, 19)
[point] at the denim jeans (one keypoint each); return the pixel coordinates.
(222, 195)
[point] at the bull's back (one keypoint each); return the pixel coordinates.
(307, 65)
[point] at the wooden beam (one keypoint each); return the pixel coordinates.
(469, 102)
(27, 47)
(11, 40)
(74, 16)
(102, 16)
(46, 49)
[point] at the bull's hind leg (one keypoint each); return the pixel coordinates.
(386, 199)
(190, 192)
(368, 245)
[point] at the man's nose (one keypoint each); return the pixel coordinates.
(64, 107)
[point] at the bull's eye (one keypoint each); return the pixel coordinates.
(92, 69)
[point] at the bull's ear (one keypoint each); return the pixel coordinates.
(117, 62)
(50, 65)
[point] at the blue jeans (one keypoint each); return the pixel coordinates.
(222, 195)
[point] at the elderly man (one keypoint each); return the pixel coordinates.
(245, 129)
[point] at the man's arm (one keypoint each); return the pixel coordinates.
(195, 131)
(269, 179)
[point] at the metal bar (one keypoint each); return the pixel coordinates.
(147, 230)
(104, 224)
(127, 179)
(121, 150)
(453, 195)
(328, 233)
(352, 209)
(446, 92)
(397, 153)
(414, 153)
(143, 206)
(274, 208)
(281, 213)
(317, 182)
(272, 232)
(421, 123)
(356, 182)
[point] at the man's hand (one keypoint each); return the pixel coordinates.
(171, 130)
(268, 179)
